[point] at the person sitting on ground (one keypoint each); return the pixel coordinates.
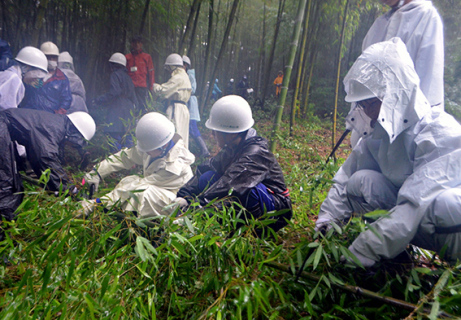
(52, 93)
(41, 133)
(166, 168)
(66, 64)
(177, 91)
(244, 165)
(407, 162)
(120, 100)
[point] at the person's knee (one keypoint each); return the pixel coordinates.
(447, 209)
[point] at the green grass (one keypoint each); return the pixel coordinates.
(108, 266)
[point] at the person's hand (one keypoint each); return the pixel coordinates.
(181, 202)
(92, 178)
(357, 259)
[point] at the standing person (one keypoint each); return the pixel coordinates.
(177, 91)
(31, 65)
(41, 133)
(230, 87)
(121, 100)
(407, 163)
(141, 71)
(53, 93)
(244, 169)
(420, 27)
(166, 168)
(242, 87)
(278, 83)
(66, 64)
(194, 112)
(216, 91)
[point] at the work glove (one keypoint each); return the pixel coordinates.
(366, 262)
(181, 202)
(323, 227)
(92, 178)
(73, 190)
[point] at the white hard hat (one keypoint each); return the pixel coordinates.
(118, 58)
(84, 123)
(49, 48)
(33, 57)
(153, 131)
(174, 59)
(186, 59)
(231, 114)
(358, 92)
(65, 57)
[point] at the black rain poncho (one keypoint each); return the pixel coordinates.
(241, 169)
(41, 133)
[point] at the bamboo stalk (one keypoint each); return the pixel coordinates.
(357, 290)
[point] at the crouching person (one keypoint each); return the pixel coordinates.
(244, 165)
(408, 162)
(41, 133)
(166, 165)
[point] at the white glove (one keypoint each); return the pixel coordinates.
(92, 178)
(182, 203)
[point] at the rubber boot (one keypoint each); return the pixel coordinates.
(203, 148)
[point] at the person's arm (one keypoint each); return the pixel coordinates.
(336, 207)
(124, 159)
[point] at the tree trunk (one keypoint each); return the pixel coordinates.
(223, 48)
(262, 55)
(286, 78)
(207, 54)
(338, 75)
(300, 66)
(190, 19)
(190, 51)
(272, 53)
(144, 15)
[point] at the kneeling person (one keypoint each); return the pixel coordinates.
(166, 165)
(244, 165)
(41, 133)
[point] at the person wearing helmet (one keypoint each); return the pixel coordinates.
(192, 104)
(230, 87)
(141, 71)
(166, 167)
(216, 91)
(278, 83)
(420, 27)
(177, 91)
(120, 100)
(41, 133)
(31, 63)
(52, 93)
(245, 169)
(66, 64)
(242, 87)
(407, 162)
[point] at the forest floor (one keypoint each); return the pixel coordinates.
(112, 266)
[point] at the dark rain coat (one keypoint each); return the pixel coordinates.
(120, 99)
(54, 95)
(41, 133)
(241, 169)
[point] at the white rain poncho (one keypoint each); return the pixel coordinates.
(403, 164)
(193, 102)
(11, 88)
(178, 91)
(420, 27)
(163, 177)
(76, 88)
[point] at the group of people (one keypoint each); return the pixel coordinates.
(405, 159)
